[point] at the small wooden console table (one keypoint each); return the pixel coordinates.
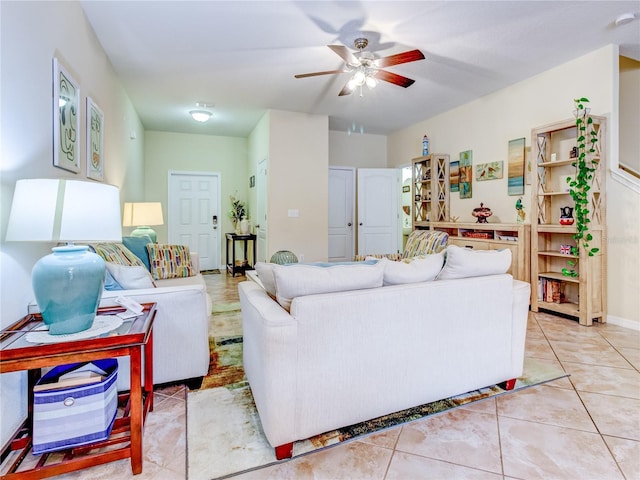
(131, 338)
(232, 266)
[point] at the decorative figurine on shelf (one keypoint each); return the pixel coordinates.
(425, 145)
(482, 213)
(566, 215)
(520, 209)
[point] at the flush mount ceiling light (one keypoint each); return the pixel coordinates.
(200, 115)
(625, 18)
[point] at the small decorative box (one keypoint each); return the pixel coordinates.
(565, 249)
(67, 415)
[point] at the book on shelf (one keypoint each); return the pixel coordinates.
(550, 290)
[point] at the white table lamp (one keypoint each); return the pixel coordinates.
(142, 215)
(67, 283)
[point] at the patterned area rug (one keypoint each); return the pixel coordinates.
(224, 435)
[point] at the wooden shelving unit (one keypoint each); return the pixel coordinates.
(584, 296)
(430, 189)
(493, 236)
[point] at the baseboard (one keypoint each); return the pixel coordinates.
(623, 322)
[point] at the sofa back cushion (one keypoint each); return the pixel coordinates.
(425, 242)
(465, 262)
(297, 280)
(169, 261)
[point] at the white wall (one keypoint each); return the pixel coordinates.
(32, 33)
(357, 150)
(486, 125)
(630, 113)
(298, 179)
(227, 156)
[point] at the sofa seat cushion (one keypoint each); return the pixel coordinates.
(466, 262)
(169, 261)
(423, 268)
(298, 280)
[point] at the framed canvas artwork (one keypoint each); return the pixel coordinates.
(454, 176)
(95, 141)
(516, 167)
(489, 171)
(66, 119)
(466, 173)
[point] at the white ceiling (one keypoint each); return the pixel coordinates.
(242, 56)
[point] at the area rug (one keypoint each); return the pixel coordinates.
(224, 434)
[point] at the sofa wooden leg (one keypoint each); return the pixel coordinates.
(284, 451)
(510, 384)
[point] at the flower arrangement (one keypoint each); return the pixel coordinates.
(238, 209)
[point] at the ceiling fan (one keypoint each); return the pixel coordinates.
(366, 68)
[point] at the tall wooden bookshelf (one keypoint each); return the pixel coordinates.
(430, 189)
(585, 295)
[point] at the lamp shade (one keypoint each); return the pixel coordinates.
(68, 283)
(55, 210)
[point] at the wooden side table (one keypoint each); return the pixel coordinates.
(131, 338)
(232, 238)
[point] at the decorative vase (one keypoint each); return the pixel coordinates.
(283, 257)
(566, 215)
(68, 285)
(244, 226)
(238, 229)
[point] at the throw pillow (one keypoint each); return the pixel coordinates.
(466, 262)
(265, 274)
(296, 280)
(116, 253)
(130, 277)
(422, 268)
(169, 261)
(425, 242)
(110, 282)
(138, 246)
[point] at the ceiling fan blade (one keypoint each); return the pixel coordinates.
(346, 90)
(315, 74)
(345, 54)
(394, 78)
(397, 59)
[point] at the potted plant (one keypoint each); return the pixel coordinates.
(237, 213)
(586, 164)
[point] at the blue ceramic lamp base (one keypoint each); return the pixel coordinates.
(68, 285)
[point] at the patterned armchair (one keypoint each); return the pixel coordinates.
(420, 242)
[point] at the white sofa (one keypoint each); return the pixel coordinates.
(180, 328)
(340, 358)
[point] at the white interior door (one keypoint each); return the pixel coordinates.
(341, 214)
(194, 215)
(261, 217)
(378, 210)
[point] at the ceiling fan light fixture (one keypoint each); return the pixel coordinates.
(200, 115)
(359, 77)
(371, 82)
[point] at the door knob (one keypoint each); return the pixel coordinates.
(349, 224)
(360, 224)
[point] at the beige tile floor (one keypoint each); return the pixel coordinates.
(583, 427)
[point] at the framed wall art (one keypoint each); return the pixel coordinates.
(95, 141)
(466, 174)
(516, 167)
(454, 176)
(66, 119)
(489, 171)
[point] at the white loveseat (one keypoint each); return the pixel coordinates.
(339, 358)
(180, 328)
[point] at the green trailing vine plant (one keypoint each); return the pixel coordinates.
(586, 164)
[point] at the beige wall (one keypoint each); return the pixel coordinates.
(227, 156)
(298, 178)
(357, 150)
(486, 125)
(32, 33)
